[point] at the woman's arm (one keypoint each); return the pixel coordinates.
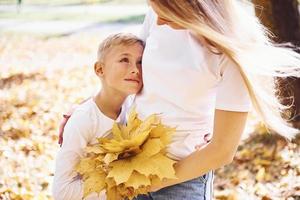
(228, 128)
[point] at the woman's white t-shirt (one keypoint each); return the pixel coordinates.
(185, 83)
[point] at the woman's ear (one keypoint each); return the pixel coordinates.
(98, 68)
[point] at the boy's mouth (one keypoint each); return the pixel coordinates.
(133, 80)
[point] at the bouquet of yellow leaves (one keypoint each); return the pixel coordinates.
(130, 162)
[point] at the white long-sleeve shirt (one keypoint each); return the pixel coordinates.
(84, 126)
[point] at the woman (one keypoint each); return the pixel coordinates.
(200, 65)
(198, 71)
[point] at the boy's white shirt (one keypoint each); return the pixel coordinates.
(84, 126)
(185, 82)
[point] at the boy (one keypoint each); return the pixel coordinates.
(119, 68)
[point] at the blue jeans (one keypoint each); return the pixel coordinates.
(200, 188)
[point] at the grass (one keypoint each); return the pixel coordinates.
(70, 2)
(90, 17)
(49, 21)
(74, 10)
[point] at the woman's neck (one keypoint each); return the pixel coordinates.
(109, 103)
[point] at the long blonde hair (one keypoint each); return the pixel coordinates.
(227, 27)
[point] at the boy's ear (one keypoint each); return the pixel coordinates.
(98, 68)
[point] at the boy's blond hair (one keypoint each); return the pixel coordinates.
(126, 39)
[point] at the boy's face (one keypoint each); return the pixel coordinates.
(122, 70)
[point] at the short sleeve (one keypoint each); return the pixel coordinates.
(149, 20)
(232, 93)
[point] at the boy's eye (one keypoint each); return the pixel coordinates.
(124, 60)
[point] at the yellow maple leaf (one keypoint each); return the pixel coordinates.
(133, 121)
(124, 131)
(117, 134)
(158, 164)
(137, 180)
(136, 140)
(129, 152)
(110, 182)
(146, 125)
(129, 141)
(114, 146)
(260, 176)
(108, 158)
(162, 132)
(151, 147)
(155, 180)
(87, 165)
(142, 190)
(112, 193)
(94, 149)
(95, 182)
(103, 140)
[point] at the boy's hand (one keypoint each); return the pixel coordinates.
(61, 128)
(63, 123)
(206, 140)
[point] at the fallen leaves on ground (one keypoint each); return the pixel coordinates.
(265, 167)
(33, 98)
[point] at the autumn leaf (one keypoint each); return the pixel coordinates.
(94, 149)
(94, 182)
(137, 180)
(146, 126)
(158, 165)
(132, 123)
(260, 176)
(113, 193)
(162, 132)
(87, 165)
(108, 158)
(117, 134)
(119, 145)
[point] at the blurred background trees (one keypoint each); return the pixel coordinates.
(281, 17)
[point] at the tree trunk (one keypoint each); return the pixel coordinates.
(281, 17)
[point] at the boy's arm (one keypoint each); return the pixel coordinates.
(67, 184)
(65, 119)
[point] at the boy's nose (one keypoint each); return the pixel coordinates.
(135, 69)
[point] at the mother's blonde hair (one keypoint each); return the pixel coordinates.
(228, 28)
